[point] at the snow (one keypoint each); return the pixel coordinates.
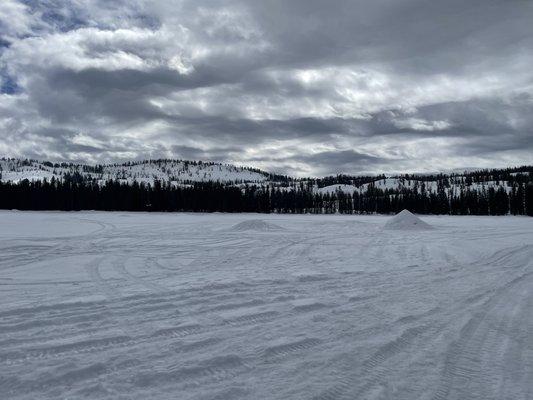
(182, 173)
(407, 221)
(402, 183)
(13, 170)
(431, 186)
(332, 189)
(164, 306)
(255, 225)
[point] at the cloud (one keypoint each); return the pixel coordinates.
(301, 86)
(15, 19)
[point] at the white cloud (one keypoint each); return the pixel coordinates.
(264, 79)
(419, 124)
(15, 19)
(139, 49)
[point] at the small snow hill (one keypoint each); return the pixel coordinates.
(256, 225)
(407, 221)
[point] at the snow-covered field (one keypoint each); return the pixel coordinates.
(181, 306)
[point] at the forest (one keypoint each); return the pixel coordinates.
(73, 193)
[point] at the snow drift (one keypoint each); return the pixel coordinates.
(405, 220)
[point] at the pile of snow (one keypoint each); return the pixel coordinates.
(405, 220)
(256, 225)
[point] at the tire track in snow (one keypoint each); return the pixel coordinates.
(373, 371)
(120, 267)
(525, 341)
(178, 331)
(83, 346)
(216, 369)
(424, 255)
(16, 386)
(461, 363)
(273, 353)
(401, 252)
(93, 269)
(58, 321)
(452, 263)
(253, 318)
(56, 251)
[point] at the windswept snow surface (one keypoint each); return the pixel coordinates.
(179, 306)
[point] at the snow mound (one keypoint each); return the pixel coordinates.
(256, 225)
(407, 221)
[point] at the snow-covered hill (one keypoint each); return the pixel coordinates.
(399, 184)
(183, 173)
(176, 171)
(420, 185)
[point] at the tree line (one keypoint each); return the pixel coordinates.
(75, 193)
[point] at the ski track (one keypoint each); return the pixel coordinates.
(154, 305)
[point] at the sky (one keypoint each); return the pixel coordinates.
(301, 87)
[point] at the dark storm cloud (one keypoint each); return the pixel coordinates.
(327, 162)
(303, 86)
(487, 126)
(419, 34)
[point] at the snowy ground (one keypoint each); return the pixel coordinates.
(180, 306)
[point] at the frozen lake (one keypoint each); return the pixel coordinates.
(182, 306)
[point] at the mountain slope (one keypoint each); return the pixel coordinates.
(185, 173)
(177, 171)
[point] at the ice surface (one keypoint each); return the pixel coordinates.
(405, 220)
(180, 306)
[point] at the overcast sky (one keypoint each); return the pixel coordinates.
(301, 87)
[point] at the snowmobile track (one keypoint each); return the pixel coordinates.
(333, 307)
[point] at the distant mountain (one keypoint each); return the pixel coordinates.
(178, 185)
(185, 173)
(175, 171)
